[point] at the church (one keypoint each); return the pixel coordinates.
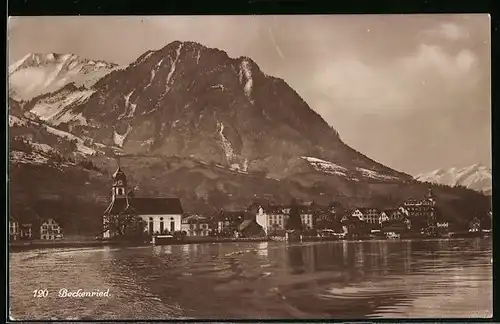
(162, 215)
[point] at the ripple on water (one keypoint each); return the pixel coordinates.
(314, 280)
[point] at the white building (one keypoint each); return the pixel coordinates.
(275, 218)
(50, 230)
(272, 218)
(162, 215)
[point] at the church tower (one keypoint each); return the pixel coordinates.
(119, 184)
(430, 195)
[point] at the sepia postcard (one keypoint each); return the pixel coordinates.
(249, 167)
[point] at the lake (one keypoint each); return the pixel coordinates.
(343, 280)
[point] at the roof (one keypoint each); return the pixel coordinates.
(366, 209)
(229, 215)
(275, 209)
(195, 219)
(247, 223)
(146, 206)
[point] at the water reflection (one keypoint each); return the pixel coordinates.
(262, 280)
(262, 249)
(296, 259)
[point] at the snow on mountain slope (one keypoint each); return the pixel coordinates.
(56, 108)
(326, 166)
(335, 169)
(30, 129)
(375, 175)
(477, 177)
(38, 74)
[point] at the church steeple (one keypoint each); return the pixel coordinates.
(430, 197)
(429, 193)
(119, 184)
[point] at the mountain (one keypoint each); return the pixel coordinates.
(37, 74)
(477, 177)
(188, 100)
(190, 121)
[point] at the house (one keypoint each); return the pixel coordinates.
(353, 226)
(393, 213)
(424, 208)
(50, 230)
(250, 228)
(385, 216)
(475, 225)
(442, 227)
(162, 215)
(227, 222)
(306, 216)
(14, 229)
(195, 225)
(326, 220)
(19, 231)
(368, 215)
(272, 218)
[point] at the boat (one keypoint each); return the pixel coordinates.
(486, 232)
(163, 239)
(392, 235)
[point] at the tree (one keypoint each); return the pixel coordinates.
(126, 226)
(294, 222)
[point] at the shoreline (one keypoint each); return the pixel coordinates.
(31, 245)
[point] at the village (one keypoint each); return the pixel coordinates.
(262, 219)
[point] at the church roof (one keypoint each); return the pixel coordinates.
(146, 206)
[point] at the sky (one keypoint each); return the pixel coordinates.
(409, 91)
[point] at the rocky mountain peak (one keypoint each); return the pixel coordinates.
(38, 74)
(189, 100)
(477, 177)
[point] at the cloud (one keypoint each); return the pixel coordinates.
(449, 31)
(432, 58)
(429, 74)
(354, 84)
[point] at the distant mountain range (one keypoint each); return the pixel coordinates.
(188, 121)
(477, 177)
(37, 74)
